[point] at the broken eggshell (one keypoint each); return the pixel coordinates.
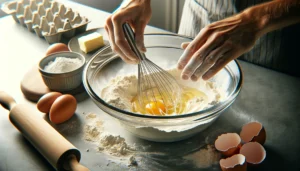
(253, 132)
(228, 144)
(254, 153)
(236, 162)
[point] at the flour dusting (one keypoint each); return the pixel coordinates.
(112, 144)
(115, 145)
(205, 157)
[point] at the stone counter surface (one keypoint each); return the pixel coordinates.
(267, 96)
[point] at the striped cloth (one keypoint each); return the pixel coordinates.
(276, 50)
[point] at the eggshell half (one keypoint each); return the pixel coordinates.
(45, 102)
(228, 144)
(253, 132)
(236, 162)
(254, 153)
(56, 47)
(63, 109)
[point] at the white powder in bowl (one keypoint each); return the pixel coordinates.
(120, 91)
(63, 64)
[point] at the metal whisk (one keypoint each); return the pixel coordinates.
(157, 90)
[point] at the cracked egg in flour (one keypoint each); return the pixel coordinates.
(121, 92)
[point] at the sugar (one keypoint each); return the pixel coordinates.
(63, 64)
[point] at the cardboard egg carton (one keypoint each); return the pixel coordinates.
(47, 18)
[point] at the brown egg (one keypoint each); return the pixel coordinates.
(236, 162)
(254, 153)
(56, 47)
(63, 109)
(228, 144)
(253, 132)
(45, 102)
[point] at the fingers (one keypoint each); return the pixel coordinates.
(210, 61)
(110, 31)
(221, 63)
(139, 35)
(198, 57)
(118, 20)
(193, 47)
(184, 45)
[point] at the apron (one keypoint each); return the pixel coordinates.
(276, 50)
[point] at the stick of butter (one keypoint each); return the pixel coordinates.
(91, 42)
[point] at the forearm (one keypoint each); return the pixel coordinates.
(274, 15)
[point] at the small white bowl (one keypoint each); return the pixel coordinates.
(62, 81)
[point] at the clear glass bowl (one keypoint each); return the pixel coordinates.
(164, 50)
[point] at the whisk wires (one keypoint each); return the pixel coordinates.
(158, 91)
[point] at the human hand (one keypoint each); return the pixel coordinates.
(137, 13)
(216, 45)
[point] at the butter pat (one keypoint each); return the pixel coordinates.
(91, 42)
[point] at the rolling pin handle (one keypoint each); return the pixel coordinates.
(74, 165)
(6, 100)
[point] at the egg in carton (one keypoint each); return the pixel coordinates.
(49, 19)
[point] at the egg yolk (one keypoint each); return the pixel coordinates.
(160, 107)
(155, 107)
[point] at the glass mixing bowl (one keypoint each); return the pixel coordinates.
(164, 50)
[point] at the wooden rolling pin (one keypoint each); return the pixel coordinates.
(59, 152)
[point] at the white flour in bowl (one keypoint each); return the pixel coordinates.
(63, 64)
(122, 89)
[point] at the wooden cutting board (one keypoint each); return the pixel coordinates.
(33, 86)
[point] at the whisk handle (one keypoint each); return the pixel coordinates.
(129, 35)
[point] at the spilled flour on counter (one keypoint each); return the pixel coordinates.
(112, 144)
(205, 157)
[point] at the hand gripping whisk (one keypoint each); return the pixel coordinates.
(158, 91)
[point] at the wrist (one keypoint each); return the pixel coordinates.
(259, 22)
(273, 15)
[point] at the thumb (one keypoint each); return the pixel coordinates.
(184, 45)
(139, 36)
